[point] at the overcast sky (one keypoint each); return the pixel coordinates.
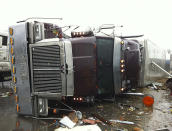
(149, 17)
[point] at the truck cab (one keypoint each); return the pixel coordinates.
(47, 68)
(42, 66)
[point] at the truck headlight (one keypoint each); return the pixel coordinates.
(42, 106)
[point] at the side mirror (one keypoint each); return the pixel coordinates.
(1, 41)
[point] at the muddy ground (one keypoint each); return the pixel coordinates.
(126, 108)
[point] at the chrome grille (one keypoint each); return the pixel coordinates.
(46, 69)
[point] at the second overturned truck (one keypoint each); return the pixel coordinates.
(47, 67)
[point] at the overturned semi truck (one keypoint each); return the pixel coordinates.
(46, 67)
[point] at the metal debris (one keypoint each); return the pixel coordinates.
(123, 122)
(164, 129)
(102, 119)
(67, 122)
(135, 94)
(81, 128)
(154, 87)
(158, 84)
(79, 115)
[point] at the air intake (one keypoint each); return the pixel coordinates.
(46, 68)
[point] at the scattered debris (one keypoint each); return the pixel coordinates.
(92, 122)
(6, 94)
(138, 119)
(81, 128)
(164, 111)
(120, 106)
(100, 107)
(74, 121)
(146, 113)
(135, 94)
(102, 119)
(73, 117)
(141, 113)
(126, 105)
(79, 115)
(133, 89)
(154, 87)
(164, 129)
(67, 122)
(131, 108)
(157, 109)
(158, 84)
(123, 122)
(121, 118)
(122, 129)
(137, 129)
(123, 113)
(3, 95)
